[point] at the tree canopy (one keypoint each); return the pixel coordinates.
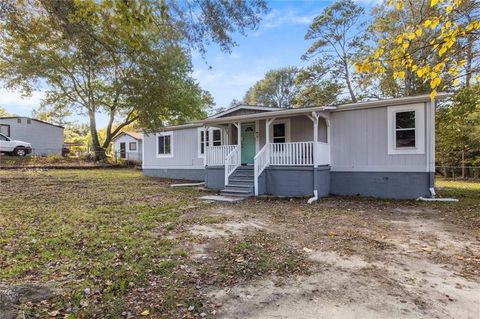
(276, 89)
(438, 44)
(129, 60)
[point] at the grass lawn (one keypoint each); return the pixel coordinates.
(114, 244)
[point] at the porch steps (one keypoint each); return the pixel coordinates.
(240, 183)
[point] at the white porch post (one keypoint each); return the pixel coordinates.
(315, 139)
(267, 137)
(205, 130)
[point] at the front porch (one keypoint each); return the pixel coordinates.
(282, 156)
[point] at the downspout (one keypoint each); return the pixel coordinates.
(315, 160)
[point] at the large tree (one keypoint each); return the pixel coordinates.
(316, 88)
(337, 38)
(276, 89)
(127, 59)
(458, 130)
(446, 33)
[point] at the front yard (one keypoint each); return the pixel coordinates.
(114, 244)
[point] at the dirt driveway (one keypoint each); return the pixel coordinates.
(366, 259)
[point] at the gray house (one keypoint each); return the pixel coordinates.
(128, 146)
(380, 148)
(45, 138)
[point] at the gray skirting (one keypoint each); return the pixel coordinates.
(396, 185)
(215, 177)
(185, 174)
(298, 181)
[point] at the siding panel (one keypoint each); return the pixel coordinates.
(359, 143)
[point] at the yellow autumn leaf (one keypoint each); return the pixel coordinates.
(433, 3)
(420, 73)
(405, 45)
(434, 24)
(435, 82)
(145, 313)
(427, 23)
(456, 82)
(401, 74)
(399, 5)
(449, 9)
(419, 32)
(442, 50)
(433, 94)
(411, 36)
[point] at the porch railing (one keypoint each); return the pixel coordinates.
(232, 161)
(260, 163)
(291, 154)
(215, 155)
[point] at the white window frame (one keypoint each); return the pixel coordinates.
(136, 146)
(210, 139)
(287, 123)
(419, 110)
(169, 133)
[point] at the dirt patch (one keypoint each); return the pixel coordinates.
(11, 297)
(226, 229)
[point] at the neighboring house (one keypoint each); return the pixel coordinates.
(45, 138)
(128, 146)
(380, 148)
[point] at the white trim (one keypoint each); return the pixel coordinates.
(136, 146)
(340, 108)
(210, 139)
(419, 110)
(244, 107)
(287, 123)
(173, 167)
(169, 133)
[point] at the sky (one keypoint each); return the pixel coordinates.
(278, 42)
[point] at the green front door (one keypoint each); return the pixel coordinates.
(248, 143)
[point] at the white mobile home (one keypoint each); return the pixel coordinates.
(128, 146)
(380, 148)
(45, 138)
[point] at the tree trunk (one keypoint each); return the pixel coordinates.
(349, 84)
(468, 75)
(100, 154)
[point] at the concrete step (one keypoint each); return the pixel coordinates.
(241, 180)
(242, 173)
(236, 192)
(240, 183)
(245, 168)
(248, 188)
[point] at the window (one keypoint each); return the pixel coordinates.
(19, 121)
(280, 131)
(406, 129)
(3, 138)
(217, 137)
(29, 121)
(5, 129)
(132, 146)
(164, 144)
(204, 139)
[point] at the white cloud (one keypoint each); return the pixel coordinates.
(13, 102)
(276, 18)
